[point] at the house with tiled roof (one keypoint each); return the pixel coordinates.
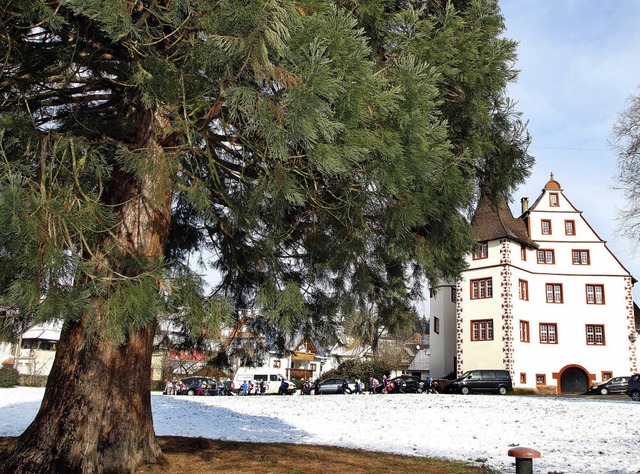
(543, 297)
(416, 357)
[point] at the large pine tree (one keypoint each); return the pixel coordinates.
(322, 151)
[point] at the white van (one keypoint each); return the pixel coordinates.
(272, 377)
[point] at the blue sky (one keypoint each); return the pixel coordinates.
(579, 62)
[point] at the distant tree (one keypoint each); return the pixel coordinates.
(322, 152)
(626, 132)
(368, 326)
(361, 369)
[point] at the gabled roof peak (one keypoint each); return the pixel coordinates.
(552, 185)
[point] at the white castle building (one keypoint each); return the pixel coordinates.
(543, 297)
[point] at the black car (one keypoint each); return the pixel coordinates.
(633, 388)
(334, 385)
(402, 384)
(198, 386)
(483, 380)
(613, 385)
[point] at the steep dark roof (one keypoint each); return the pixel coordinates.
(493, 221)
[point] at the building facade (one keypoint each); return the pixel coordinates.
(543, 297)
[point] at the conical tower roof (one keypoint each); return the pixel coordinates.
(493, 221)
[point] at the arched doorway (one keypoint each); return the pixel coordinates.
(574, 379)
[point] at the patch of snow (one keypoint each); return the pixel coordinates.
(573, 435)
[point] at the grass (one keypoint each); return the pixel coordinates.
(206, 455)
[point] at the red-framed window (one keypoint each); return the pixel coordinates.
(606, 375)
(481, 288)
(482, 330)
(481, 251)
(546, 256)
(595, 335)
(523, 290)
(580, 257)
(541, 379)
(548, 333)
(524, 331)
(545, 226)
(523, 252)
(595, 294)
(523, 377)
(553, 200)
(554, 292)
(569, 227)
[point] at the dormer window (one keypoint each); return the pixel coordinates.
(553, 200)
(481, 251)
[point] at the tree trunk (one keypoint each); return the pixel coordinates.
(96, 412)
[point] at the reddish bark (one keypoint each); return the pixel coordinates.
(96, 412)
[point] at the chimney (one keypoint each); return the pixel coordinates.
(524, 204)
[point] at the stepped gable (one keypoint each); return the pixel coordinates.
(494, 221)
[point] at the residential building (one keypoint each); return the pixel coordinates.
(543, 297)
(37, 348)
(416, 359)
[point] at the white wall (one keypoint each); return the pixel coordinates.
(443, 344)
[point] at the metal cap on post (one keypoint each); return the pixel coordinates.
(524, 456)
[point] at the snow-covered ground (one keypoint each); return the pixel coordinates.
(574, 435)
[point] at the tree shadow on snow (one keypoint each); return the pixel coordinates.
(186, 416)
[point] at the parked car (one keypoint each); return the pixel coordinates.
(484, 380)
(633, 388)
(334, 385)
(403, 384)
(209, 386)
(613, 385)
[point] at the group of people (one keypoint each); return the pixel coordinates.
(172, 387)
(260, 387)
(250, 388)
(388, 385)
(220, 388)
(203, 387)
